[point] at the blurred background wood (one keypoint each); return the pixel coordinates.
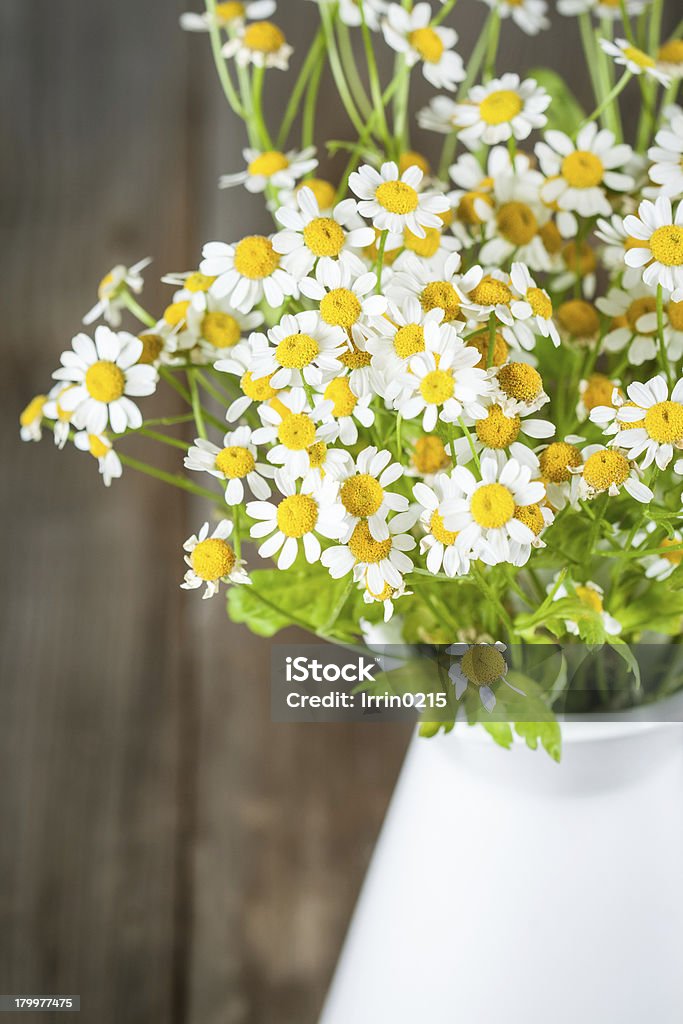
(165, 851)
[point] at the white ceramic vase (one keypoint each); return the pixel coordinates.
(507, 888)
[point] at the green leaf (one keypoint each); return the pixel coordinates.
(303, 596)
(565, 112)
(547, 732)
(500, 732)
(625, 652)
(657, 610)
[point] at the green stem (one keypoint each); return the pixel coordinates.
(444, 12)
(310, 106)
(373, 74)
(380, 260)
(492, 340)
(219, 61)
(493, 37)
(666, 366)
(338, 70)
(134, 307)
(154, 435)
(175, 480)
(351, 70)
(608, 100)
(197, 411)
(313, 61)
(471, 443)
(257, 101)
(338, 608)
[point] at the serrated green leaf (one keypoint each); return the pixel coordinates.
(500, 732)
(304, 597)
(548, 733)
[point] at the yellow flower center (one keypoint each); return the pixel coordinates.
(296, 351)
(340, 308)
(579, 318)
(235, 462)
(590, 598)
(385, 594)
(520, 381)
(666, 245)
(430, 455)
(105, 286)
(441, 295)
(638, 308)
(267, 164)
(491, 292)
(498, 430)
(33, 411)
(531, 516)
(664, 422)
(580, 259)
(425, 247)
(413, 159)
(105, 381)
(674, 311)
(437, 386)
(221, 330)
(97, 447)
(258, 390)
(439, 531)
(365, 548)
(176, 313)
(152, 347)
(230, 10)
(339, 392)
(598, 391)
(296, 431)
(675, 557)
(480, 341)
(492, 506)
(354, 358)
(517, 222)
(324, 191)
(409, 340)
(317, 454)
(582, 169)
(467, 212)
(361, 495)
(199, 282)
(557, 459)
(397, 197)
(671, 52)
(264, 37)
(551, 237)
(297, 515)
(604, 468)
(428, 44)
(500, 106)
(213, 559)
(255, 257)
(540, 303)
(482, 664)
(324, 237)
(643, 60)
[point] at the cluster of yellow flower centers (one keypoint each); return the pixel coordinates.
(105, 381)
(259, 390)
(598, 391)
(428, 44)
(500, 106)
(324, 237)
(558, 460)
(296, 351)
(664, 422)
(425, 247)
(492, 506)
(666, 245)
(671, 52)
(297, 515)
(483, 664)
(409, 340)
(540, 303)
(497, 430)
(235, 462)
(324, 191)
(430, 455)
(221, 330)
(441, 295)
(439, 531)
(365, 548)
(152, 347)
(520, 381)
(578, 318)
(606, 468)
(361, 495)
(212, 559)
(255, 257)
(531, 516)
(643, 60)
(517, 222)
(491, 292)
(582, 169)
(33, 411)
(481, 340)
(176, 313)
(264, 37)
(267, 164)
(340, 308)
(590, 598)
(397, 197)
(437, 386)
(198, 282)
(339, 392)
(296, 431)
(230, 10)
(354, 358)
(317, 454)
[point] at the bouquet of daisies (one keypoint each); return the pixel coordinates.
(450, 394)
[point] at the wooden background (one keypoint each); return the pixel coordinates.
(165, 851)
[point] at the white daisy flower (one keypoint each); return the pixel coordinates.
(347, 302)
(532, 304)
(401, 338)
(349, 12)
(105, 373)
(633, 59)
(213, 326)
(433, 288)
(660, 567)
(229, 14)
(53, 410)
(438, 542)
(325, 460)
(660, 254)
(347, 408)
(481, 666)
(667, 155)
(557, 462)
(514, 231)
(590, 595)
(271, 168)
(500, 430)
(262, 43)
(298, 517)
(634, 322)
(386, 597)
(598, 389)
(363, 493)
(101, 448)
(653, 425)
(580, 173)
(324, 191)
(295, 430)
(412, 34)
(234, 463)
(302, 350)
(670, 58)
(110, 303)
(529, 15)
(31, 419)
(311, 236)
(487, 293)
(502, 109)
(212, 560)
(492, 514)
(379, 563)
(428, 457)
(188, 283)
(604, 470)
(440, 115)
(239, 364)
(247, 272)
(616, 242)
(608, 9)
(393, 201)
